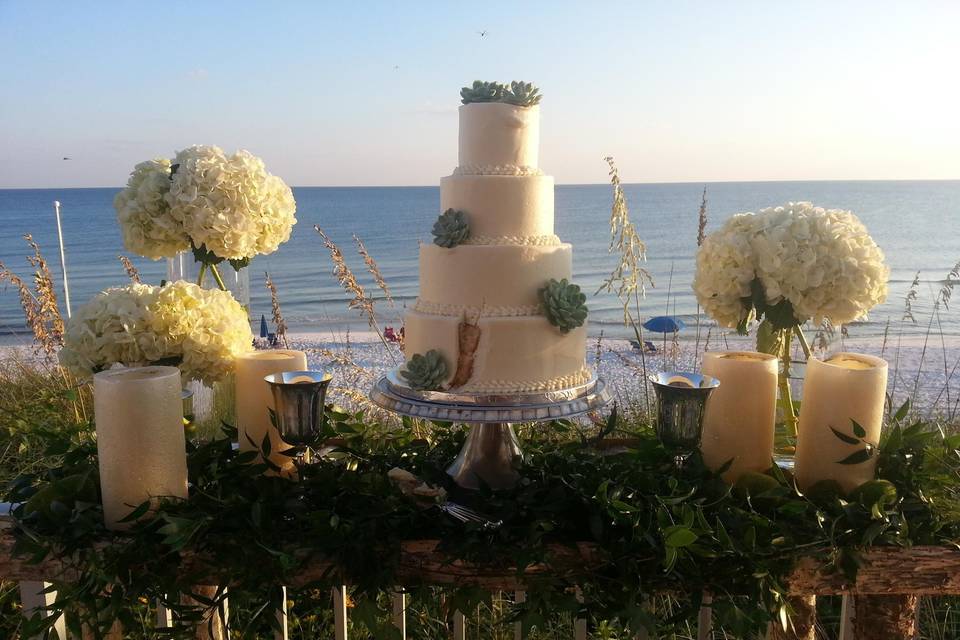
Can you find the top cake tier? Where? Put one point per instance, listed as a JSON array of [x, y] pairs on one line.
[[498, 138]]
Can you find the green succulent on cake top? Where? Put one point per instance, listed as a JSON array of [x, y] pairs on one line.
[[519, 93], [564, 304], [522, 94], [451, 229], [483, 92], [425, 372]]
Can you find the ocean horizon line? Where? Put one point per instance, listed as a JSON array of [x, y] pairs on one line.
[[558, 184]]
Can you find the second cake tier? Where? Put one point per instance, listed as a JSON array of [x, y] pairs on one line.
[[499, 276], [503, 209]]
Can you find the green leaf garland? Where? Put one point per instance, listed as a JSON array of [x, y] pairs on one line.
[[666, 529]]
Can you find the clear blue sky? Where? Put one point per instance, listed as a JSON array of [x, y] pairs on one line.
[[365, 93]]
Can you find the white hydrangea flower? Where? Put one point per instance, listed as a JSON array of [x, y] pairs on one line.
[[202, 330], [146, 223], [822, 261], [230, 204], [725, 269]]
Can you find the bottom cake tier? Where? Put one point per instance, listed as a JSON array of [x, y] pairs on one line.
[[518, 354]]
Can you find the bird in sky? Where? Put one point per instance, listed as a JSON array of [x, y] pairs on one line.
[[483, 33], [66, 158]]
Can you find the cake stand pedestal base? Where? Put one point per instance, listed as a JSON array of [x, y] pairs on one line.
[[490, 456]]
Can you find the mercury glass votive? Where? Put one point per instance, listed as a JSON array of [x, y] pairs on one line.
[[681, 400], [299, 398]]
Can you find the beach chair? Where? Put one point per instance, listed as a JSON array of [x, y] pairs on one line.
[[648, 346]]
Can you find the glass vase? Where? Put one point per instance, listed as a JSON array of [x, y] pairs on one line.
[[184, 267], [212, 405]]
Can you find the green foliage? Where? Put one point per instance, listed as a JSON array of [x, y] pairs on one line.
[[780, 316], [451, 229], [858, 438], [522, 94], [769, 339], [564, 304], [519, 93], [482, 91], [425, 371], [205, 256], [656, 527], [32, 393]]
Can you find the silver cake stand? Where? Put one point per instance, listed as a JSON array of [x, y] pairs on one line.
[[491, 453]]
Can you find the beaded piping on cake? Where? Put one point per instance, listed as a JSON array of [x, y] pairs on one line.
[[460, 310], [523, 241], [496, 170], [529, 386]]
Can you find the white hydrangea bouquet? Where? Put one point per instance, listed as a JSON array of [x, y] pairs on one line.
[[787, 265], [181, 324], [221, 207]]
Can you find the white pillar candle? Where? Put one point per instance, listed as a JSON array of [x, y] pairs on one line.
[[140, 439], [255, 400], [844, 388], [739, 420]]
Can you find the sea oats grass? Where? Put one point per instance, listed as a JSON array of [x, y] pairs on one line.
[[132, 272], [40, 307], [629, 278], [360, 300], [280, 325], [374, 269]]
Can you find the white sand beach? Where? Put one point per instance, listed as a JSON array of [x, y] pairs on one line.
[[925, 369]]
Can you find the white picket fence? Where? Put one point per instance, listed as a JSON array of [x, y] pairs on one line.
[[34, 599]]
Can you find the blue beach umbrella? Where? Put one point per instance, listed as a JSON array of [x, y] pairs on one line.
[[263, 326], [664, 324]]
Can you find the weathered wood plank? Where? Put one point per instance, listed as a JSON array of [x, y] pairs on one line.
[[399, 601], [889, 617], [846, 618], [886, 570], [579, 624], [35, 599], [340, 613], [212, 627], [459, 626], [804, 621], [705, 618], [519, 597], [282, 616]]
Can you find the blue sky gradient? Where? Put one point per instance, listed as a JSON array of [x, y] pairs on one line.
[[366, 93]]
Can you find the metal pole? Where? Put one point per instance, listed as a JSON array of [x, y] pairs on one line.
[[63, 258]]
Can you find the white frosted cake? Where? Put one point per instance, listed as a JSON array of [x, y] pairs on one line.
[[482, 307]]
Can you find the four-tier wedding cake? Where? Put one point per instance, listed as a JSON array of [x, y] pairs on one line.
[[496, 313]]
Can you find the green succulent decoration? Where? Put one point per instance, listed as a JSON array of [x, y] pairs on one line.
[[482, 91], [425, 372], [451, 229], [564, 304], [522, 94]]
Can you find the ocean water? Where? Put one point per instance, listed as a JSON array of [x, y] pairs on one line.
[[915, 223]]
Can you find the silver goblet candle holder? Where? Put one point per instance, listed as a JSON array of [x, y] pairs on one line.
[[299, 398], [681, 400]]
